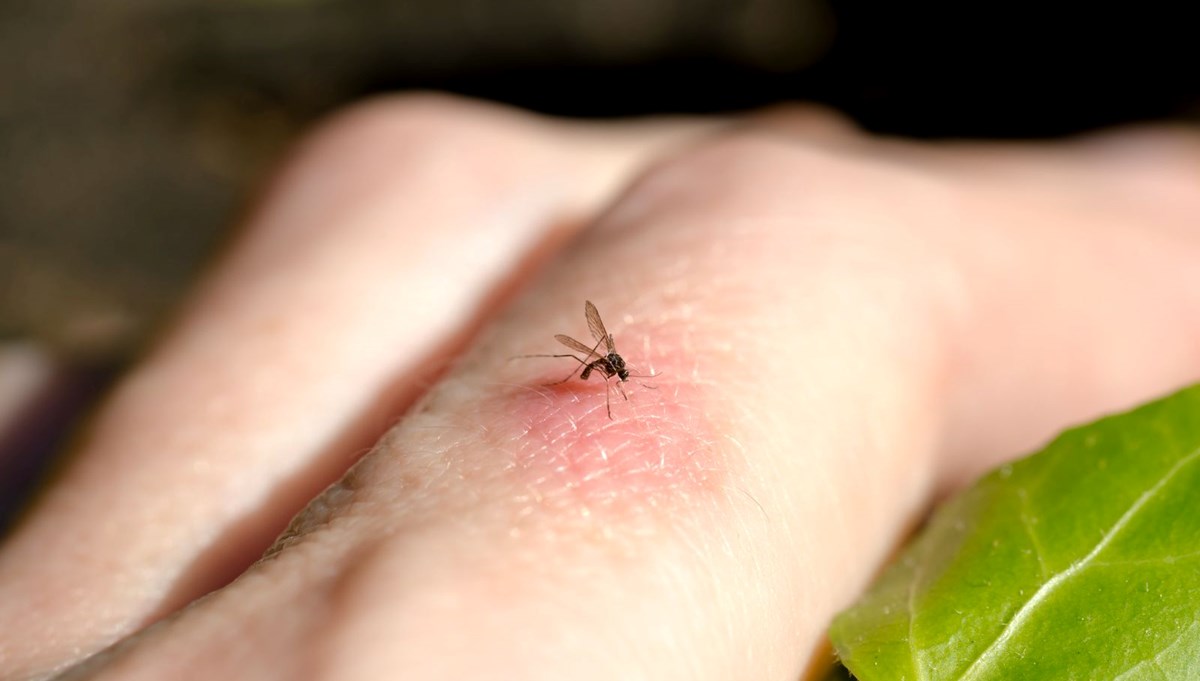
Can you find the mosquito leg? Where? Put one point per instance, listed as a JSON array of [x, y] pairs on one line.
[[532, 356], [569, 376]]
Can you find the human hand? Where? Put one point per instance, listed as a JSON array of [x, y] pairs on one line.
[[843, 328]]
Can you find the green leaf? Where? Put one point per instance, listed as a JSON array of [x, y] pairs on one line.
[[1079, 562]]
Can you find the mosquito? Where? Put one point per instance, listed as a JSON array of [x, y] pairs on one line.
[[606, 364]]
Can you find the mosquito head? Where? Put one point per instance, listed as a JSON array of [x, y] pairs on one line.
[[618, 364]]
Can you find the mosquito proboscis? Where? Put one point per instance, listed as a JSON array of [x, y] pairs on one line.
[[607, 364]]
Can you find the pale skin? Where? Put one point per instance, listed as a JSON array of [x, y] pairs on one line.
[[844, 329]]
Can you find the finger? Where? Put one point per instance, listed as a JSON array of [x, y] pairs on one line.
[[374, 255], [663, 543], [1047, 204], [1107, 242], [815, 351]]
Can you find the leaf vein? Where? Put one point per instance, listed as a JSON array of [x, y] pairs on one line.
[[1153, 560], [914, 654], [980, 663], [1027, 524], [1156, 660]]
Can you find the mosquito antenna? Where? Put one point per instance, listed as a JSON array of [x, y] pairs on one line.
[[650, 375]]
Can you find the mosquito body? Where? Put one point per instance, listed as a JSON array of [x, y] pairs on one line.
[[607, 364]]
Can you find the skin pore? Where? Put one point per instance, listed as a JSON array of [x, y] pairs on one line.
[[842, 330]]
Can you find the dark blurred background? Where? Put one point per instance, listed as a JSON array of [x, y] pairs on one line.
[[131, 132]]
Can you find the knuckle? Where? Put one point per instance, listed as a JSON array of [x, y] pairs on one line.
[[754, 209], [425, 122], [740, 173], [393, 154], [423, 138]]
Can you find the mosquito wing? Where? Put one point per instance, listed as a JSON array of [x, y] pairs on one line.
[[588, 353], [597, 327]]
